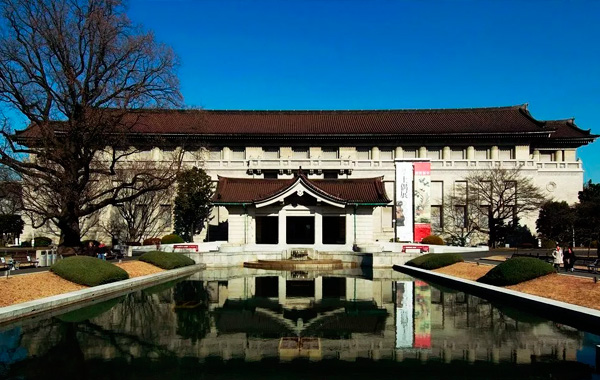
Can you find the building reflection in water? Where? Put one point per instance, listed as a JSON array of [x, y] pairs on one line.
[[344, 315]]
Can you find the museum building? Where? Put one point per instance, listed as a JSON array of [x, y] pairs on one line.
[[336, 179]]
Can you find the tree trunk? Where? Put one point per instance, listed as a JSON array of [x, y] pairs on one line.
[[70, 234]]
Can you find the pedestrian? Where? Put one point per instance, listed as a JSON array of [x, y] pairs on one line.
[[570, 258], [557, 255]]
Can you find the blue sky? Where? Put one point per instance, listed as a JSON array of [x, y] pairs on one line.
[[380, 54]]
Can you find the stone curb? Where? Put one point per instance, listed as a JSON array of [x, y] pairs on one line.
[[35, 307], [585, 318]]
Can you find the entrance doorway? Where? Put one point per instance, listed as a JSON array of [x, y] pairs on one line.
[[300, 230]]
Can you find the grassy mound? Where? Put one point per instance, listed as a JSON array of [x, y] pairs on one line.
[[514, 271], [435, 260], [166, 260], [89, 271]]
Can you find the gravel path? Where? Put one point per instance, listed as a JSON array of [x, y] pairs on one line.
[[577, 290], [27, 287]]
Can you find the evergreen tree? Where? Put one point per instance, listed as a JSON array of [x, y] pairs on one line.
[[192, 204]]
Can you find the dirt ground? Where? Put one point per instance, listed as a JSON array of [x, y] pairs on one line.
[[27, 287], [580, 291]]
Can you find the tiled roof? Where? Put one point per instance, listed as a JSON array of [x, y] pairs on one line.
[[407, 122], [250, 190], [566, 129]]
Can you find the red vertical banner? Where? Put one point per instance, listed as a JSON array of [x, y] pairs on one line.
[[422, 200], [422, 315]]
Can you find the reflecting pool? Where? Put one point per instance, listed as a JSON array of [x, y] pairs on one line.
[[245, 323]]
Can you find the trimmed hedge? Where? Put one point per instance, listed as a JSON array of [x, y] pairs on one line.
[[516, 270], [89, 271], [435, 260], [42, 241], [171, 239], [433, 240], [166, 260]]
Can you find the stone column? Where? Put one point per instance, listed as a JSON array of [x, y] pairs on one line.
[[318, 229], [470, 152], [226, 153], [318, 289], [399, 152], [446, 153], [282, 227], [536, 154], [494, 152], [281, 289], [422, 152], [558, 156], [375, 153]]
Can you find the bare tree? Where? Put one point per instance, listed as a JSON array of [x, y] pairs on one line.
[[146, 216], [491, 198], [75, 69]]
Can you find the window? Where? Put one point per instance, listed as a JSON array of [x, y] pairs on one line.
[[165, 216], [238, 153], [267, 230], [482, 154], [437, 192], [410, 153], [386, 154], [460, 219], [271, 153], [434, 153], [484, 217], [214, 154], [330, 174], [334, 230], [363, 153], [506, 154], [299, 152], [457, 154], [330, 153], [270, 174], [436, 219]]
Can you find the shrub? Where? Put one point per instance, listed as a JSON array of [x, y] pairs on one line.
[[435, 260], [171, 239], [514, 271], [433, 239], [151, 241], [42, 241], [166, 260], [89, 271], [25, 244]]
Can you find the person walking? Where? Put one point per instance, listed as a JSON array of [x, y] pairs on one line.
[[569, 259], [557, 254]]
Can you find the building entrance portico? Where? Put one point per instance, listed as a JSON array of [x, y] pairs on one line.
[[324, 214]]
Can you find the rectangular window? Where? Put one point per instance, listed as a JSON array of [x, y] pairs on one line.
[[214, 154], [460, 219], [330, 174], [165, 216], [363, 153], [482, 154], [330, 153], [437, 192], [238, 153], [410, 153], [271, 153], [267, 230], [460, 189], [457, 154], [506, 154], [270, 174], [434, 153], [436, 218], [334, 230], [386, 154], [484, 217]]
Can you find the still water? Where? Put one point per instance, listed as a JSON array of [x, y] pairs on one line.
[[256, 324]]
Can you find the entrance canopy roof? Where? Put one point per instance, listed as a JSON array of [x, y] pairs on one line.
[[335, 192]]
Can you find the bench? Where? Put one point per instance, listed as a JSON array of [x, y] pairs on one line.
[[20, 260], [186, 246], [421, 248], [5, 264]]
